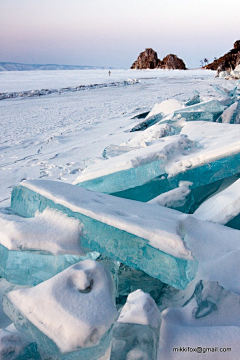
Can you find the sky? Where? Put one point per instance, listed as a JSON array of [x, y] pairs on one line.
[[112, 33]]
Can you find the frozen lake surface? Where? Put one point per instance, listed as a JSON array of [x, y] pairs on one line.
[[166, 248], [56, 136]]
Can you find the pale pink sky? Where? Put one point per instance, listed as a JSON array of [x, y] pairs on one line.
[[113, 32]]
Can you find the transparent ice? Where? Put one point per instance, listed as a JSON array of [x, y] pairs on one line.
[[136, 333], [111, 241]]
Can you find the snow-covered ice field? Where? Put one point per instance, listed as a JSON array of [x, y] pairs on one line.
[[189, 263], [55, 136]]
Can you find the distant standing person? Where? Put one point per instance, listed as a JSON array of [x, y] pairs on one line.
[[109, 73]]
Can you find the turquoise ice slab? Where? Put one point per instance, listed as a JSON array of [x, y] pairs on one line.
[[208, 111], [118, 228], [70, 316], [137, 167], [200, 175], [31, 268], [48, 349], [147, 123]]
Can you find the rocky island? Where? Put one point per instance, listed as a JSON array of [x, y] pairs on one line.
[[148, 59], [228, 62]]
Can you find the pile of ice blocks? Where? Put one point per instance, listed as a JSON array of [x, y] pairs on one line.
[[138, 259]]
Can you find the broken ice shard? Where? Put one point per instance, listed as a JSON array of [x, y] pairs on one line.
[[231, 115], [222, 207], [116, 150], [147, 122], [14, 346], [223, 91], [134, 168], [70, 315], [146, 237], [33, 250], [141, 115], [194, 100], [209, 110], [136, 333], [207, 153]]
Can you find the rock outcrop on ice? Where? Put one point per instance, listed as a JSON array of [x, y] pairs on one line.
[[227, 62], [148, 59], [171, 62]]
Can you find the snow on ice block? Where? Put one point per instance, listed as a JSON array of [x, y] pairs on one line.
[[69, 316], [14, 346], [136, 333], [208, 152], [152, 134], [33, 250], [222, 207], [134, 168], [212, 106], [144, 236], [178, 198], [184, 335], [165, 107]]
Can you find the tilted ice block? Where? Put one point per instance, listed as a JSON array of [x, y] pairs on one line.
[[14, 346], [222, 207], [209, 324], [33, 250], [116, 150], [228, 101], [136, 333], [147, 122], [31, 268], [223, 91], [194, 100], [217, 157], [212, 154], [134, 168], [141, 115], [231, 115], [213, 107], [144, 236], [69, 316]]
